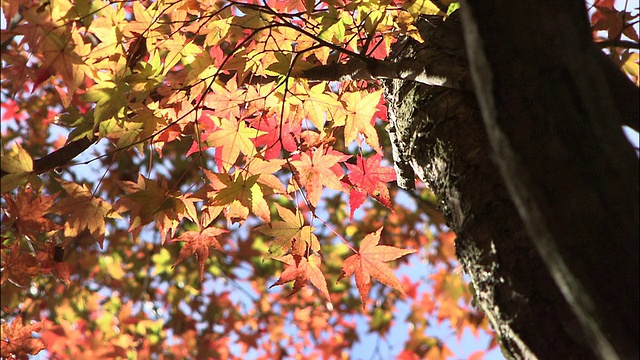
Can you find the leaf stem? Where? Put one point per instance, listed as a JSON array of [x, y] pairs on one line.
[[337, 234]]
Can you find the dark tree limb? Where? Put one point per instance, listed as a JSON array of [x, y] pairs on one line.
[[617, 43], [626, 96], [429, 67], [60, 157], [437, 64]]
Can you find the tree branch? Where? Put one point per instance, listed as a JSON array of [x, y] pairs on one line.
[[59, 157], [423, 70], [617, 43]]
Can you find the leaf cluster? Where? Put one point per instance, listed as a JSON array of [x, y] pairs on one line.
[[212, 174]]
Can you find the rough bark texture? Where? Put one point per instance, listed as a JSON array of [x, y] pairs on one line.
[[553, 125], [440, 135]]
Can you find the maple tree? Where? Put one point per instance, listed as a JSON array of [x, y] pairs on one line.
[[246, 127]]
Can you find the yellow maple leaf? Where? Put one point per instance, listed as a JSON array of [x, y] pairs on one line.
[[290, 234], [360, 111], [323, 105], [238, 193]]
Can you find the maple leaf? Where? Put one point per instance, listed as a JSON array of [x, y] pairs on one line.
[[29, 209], [18, 266], [137, 51], [206, 126], [17, 164], [317, 171], [276, 136], [64, 54], [265, 170], [12, 111], [301, 269], [17, 341], [238, 193], [149, 200], [323, 105], [50, 264], [232, 138], [360, 111], [58, 337], [418, 7], [198, 242], [370, 261], [110, 36], [369, 178], [225, 99], [84, 210], [290, 233], [110, 100]]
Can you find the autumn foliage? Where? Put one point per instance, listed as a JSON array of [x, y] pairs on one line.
[[224, 205]]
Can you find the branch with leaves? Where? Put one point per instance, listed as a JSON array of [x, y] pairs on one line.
[[256, 129]]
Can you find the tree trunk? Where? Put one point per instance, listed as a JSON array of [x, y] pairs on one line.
[[440, 135], [554, 129]]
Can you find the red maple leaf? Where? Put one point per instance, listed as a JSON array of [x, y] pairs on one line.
[[17, 341], [367, 177], [198, 242], [370, 261], [12, 111], [301, 269], [276, 136]]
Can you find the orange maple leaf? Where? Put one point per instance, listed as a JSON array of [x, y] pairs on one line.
[[369, 178], [370, 261], [225, 99], [65, 54], [17, 341], [18, 266], [150, 200], [29, 209], [84, 210], [198, 242], [232, 138], [318, 170], [301, 269]]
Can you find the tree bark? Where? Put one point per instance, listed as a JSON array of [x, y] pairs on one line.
[[553, 125], [440, 135]]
